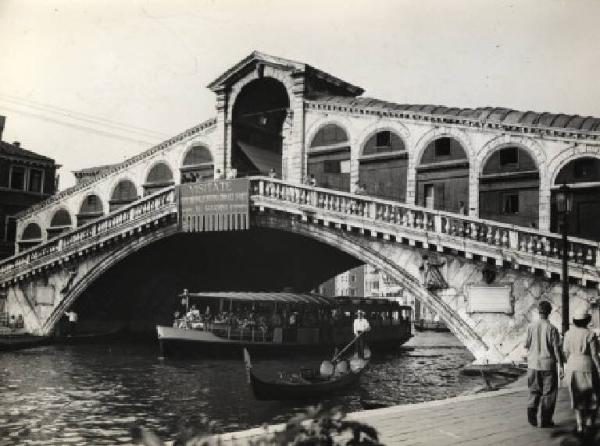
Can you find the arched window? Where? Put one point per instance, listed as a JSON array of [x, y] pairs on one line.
[[443, 176], [197, 165], [61, 222], [583, 177], [329, 134], [384, 141], [32, 236], [91, 208], [159, 177], [329, 158], [124, 193], [509, 187], [383, 166], [32, 232]]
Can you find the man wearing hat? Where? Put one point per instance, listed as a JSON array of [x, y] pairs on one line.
[[361, 326], [543, 345]]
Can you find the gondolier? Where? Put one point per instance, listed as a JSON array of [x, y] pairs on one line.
[[361, 326]]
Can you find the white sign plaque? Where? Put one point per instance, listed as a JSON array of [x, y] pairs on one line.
[[489, 299]]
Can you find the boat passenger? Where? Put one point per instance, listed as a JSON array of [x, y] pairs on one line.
[[361, 326], [276, 320]]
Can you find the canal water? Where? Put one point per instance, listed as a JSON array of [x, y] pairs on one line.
[[94, 394]]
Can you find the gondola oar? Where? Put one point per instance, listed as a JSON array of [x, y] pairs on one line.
[[346, 347]]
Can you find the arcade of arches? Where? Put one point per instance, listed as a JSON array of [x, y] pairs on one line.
[[159, 177], [61, 222], [258, 117], [197, 165]]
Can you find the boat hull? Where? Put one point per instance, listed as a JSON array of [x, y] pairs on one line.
[[182, 342]]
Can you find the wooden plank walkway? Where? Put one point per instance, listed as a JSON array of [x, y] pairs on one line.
[[493, 418]]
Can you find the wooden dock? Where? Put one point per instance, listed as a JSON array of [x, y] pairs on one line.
[[492, 418]]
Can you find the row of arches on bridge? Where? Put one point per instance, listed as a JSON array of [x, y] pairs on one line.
[[509, 178], [197, 165], [508, 182]]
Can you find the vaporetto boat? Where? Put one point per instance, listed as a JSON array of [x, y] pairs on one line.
[[223, 323]]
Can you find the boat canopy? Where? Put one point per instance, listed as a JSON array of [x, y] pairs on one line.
[[288, 298]]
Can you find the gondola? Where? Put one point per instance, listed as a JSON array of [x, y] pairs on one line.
[[309, 384]]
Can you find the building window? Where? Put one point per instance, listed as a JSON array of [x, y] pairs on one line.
[[352, 278], [510, 203], [17, 178], [332, 166], [10, 228], [509, 155], [352, 292], [383, 139], [35, 180], [442, 147]]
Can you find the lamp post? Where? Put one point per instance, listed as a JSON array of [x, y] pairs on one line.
[[564, 200]]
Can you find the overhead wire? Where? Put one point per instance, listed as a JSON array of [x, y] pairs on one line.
[[74, 115]]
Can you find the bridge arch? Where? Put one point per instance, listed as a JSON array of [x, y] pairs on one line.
[[360, 248], [582, 174], [328, 156], [158, 175], [383, 163], [31, 236], [509, 185], [123, 192], [260, 108], [197, 163], [61, 221], [90, 209], [441, 171]]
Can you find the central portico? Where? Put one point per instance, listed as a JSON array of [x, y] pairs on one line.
[[260, 113]]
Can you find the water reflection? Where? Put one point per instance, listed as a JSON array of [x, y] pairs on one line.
[[59, 395]]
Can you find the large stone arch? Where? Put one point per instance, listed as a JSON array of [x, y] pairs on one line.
[[359, 247], [295, 103], [99, 267], [355, 245], [532, 148]]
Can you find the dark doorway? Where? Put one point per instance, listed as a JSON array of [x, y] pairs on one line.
[[257, 122]]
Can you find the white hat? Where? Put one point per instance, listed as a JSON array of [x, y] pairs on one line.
[[581, 313]]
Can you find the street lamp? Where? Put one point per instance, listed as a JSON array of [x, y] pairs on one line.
[[564, 202]]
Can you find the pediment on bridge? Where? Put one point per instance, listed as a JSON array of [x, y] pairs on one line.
[[316, 82]]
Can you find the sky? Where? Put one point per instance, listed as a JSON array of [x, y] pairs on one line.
[[94, 82]]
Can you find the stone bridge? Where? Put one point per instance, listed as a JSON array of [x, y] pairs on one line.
[[473, 256], [463, 196]]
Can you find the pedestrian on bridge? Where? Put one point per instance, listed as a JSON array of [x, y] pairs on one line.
[[581, 350], [544, 353]]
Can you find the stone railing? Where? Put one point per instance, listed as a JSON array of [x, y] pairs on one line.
[[144, 210], [517, 246]]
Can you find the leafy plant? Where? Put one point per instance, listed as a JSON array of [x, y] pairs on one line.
[[317, 426]]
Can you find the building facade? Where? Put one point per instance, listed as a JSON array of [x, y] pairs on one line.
[[26, 178]]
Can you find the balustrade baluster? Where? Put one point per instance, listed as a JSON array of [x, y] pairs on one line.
[[411, 218], [473, 231], [505, 238], [530, 244], [571, 252], [589, 257], [497, 237], [425, 221]]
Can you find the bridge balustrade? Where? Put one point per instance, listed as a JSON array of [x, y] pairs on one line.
[[147, 207], [519, 245]]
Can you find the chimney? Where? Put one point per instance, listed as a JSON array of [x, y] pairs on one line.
[[17, 144], [2, 121]]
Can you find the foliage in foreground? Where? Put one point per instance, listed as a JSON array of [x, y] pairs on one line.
[[316, 426]]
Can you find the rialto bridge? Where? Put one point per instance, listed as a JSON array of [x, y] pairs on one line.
[[467, 192]]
